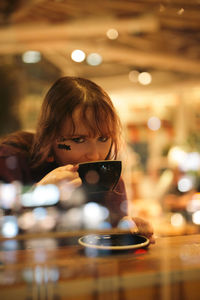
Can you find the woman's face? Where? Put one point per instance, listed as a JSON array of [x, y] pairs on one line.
[[80, 147]]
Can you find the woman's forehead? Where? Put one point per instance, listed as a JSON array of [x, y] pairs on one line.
[[79, 128], [85, 124]]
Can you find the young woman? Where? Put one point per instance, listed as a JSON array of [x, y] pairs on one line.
[[78, 123]]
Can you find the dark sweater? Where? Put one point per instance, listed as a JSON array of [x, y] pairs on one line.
[[15, 166]]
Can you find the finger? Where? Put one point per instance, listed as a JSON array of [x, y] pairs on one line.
[[143, 225], [73, 167], [76, 167], [128, 223], [133, 227], [76, 182], [66, 176], [145, 230], [68, 167], [152, 240]]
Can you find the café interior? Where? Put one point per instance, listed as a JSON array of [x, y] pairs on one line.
[[146, 55]]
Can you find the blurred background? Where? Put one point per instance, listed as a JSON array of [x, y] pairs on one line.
[[146, 55]]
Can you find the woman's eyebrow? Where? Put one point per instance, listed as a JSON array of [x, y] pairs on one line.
[[67, 137], [62, 138]]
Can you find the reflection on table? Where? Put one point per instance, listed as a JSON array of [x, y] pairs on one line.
[[55, 266]]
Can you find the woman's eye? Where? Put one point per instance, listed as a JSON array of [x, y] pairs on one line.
[[103, 139], [78, 140]]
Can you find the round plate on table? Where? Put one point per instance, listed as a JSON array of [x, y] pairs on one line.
[[121, 241]]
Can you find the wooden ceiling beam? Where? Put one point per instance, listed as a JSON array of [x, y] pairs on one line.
[[78, 29], [121, 55]]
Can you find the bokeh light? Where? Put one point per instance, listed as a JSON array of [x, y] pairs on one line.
[[94, 59], [191, 162], [11, 162], [39, 213], [177, 220], [185, 184], [94, 214], [194, 203], [176, 156], [9, 227], [8, 192], [180, 11], [92, 177], [41, 196], [154, 123], [133, 76], [27, 220], [71, 219], [112, 34], [196, 217], [144, 78], [78, 55], [31, 57]]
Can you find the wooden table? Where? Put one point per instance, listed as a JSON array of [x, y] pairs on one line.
[[57, 267]]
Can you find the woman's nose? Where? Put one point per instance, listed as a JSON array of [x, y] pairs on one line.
[[92, 152]]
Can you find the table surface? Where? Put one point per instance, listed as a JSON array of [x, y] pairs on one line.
[[58, 260]]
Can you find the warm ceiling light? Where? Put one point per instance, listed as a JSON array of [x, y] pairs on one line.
[[78, 55], [112, 34], [180, 11], [133, 76], [144, 78], [94, 59], [31, 57]]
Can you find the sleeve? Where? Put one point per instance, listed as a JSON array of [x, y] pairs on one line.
[[14, 168], [116, 201]]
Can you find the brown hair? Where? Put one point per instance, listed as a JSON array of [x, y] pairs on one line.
[[60, 102], [20, 140]]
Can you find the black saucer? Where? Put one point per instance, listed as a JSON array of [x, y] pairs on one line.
[[121, 241]]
